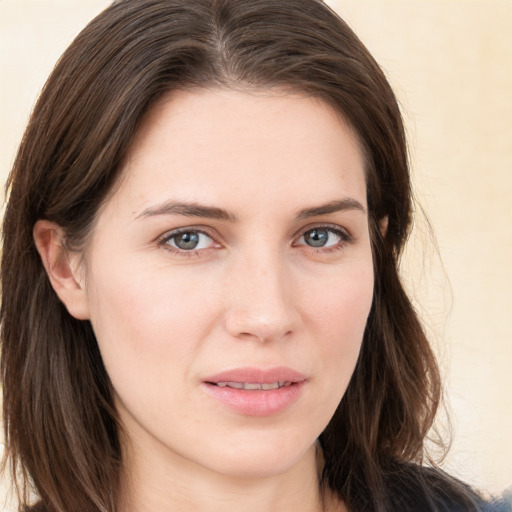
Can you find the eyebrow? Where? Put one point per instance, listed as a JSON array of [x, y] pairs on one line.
[[193, 209], [332, 207], [188, 210]]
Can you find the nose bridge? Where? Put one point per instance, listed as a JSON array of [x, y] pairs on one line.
[[261, 301]]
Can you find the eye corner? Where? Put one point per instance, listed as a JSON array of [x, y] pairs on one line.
[[193, 242], [320, 236]]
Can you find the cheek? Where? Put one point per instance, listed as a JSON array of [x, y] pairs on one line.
[[150, 329], [138, 315], [151, 321], [339, 315], [341, 304]]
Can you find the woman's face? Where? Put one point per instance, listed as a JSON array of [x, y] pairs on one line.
[[229, 279]]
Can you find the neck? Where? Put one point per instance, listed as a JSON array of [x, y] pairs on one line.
[[166, 483]]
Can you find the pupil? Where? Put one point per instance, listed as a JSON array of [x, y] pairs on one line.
[[316, 237], [187, 240]]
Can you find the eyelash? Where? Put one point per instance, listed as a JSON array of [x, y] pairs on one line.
[[345, 238], [344, 235], [163, 241]]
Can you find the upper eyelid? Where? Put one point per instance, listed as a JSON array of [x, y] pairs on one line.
[[168, 235], [332, 227]]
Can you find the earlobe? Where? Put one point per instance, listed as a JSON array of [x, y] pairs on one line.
[[62, 267]]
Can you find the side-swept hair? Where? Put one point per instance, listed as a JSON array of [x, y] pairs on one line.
[[61, 427]]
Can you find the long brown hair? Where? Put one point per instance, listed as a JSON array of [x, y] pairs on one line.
[[61, 428]]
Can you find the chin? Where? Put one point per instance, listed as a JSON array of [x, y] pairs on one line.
[[261, 461]]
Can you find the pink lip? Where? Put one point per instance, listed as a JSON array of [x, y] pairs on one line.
[[256, 402]]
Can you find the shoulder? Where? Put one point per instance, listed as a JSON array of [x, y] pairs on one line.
[[503, 504], [426, 489]]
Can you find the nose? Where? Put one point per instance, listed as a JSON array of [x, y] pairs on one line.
[[262, 304]]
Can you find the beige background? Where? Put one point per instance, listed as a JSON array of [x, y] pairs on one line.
[[451, 65]]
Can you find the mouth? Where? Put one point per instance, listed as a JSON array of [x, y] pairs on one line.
[[256, 392], [256, 379], [253, 386]]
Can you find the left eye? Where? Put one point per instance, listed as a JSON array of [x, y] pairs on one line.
[[189, 240], [321, 237]]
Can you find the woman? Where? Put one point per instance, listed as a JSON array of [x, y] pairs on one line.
[[202, 232]]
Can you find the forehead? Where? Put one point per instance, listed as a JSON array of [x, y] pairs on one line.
[[211, 144]]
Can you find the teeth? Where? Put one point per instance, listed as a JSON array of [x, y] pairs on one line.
[[248, 385], [254, 385]]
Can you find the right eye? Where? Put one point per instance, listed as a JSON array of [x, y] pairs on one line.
[[321, 237], [324, 238], [188, 240]]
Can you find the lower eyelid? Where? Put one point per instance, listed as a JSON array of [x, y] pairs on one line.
[[165, 239], [345, 236]]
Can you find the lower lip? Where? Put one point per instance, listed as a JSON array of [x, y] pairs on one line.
[[256, 402]]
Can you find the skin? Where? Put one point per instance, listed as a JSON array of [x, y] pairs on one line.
[[254, 293]]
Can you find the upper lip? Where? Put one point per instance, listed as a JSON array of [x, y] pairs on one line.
[[257, 375]]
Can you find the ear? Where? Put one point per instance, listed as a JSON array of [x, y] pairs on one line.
[[63, 267], [383, 225]]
